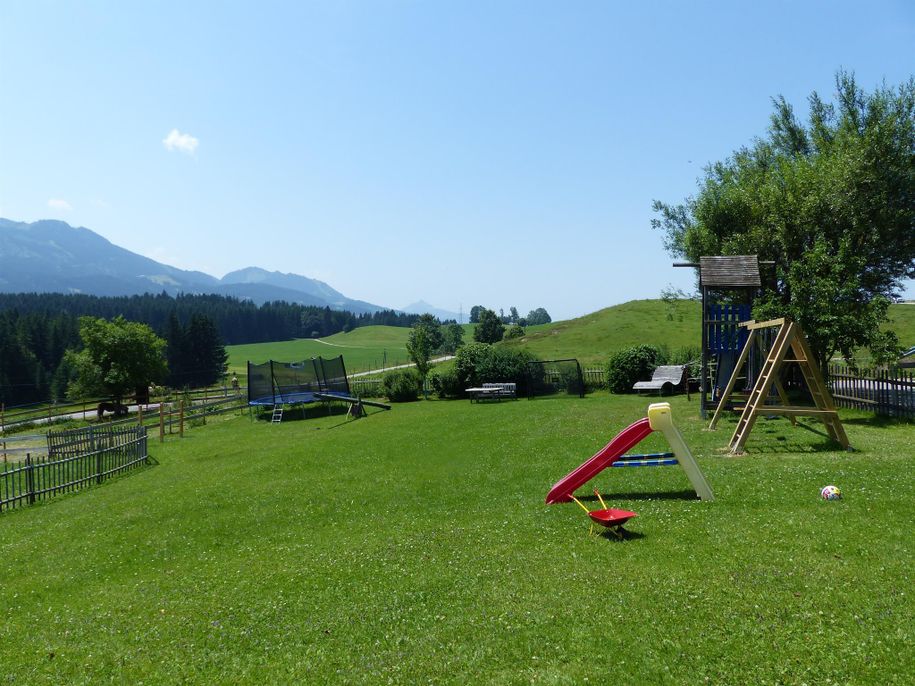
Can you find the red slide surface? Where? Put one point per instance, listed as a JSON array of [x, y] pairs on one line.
[[606, 456]]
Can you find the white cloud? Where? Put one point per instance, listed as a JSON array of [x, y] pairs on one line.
[[60, 205], [182, 142]]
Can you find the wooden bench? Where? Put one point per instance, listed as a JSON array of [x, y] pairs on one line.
[[493, 391], [665, 379]]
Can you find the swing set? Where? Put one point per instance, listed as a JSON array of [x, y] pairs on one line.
[[789, 338]]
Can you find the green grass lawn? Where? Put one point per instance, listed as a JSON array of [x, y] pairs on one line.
[[365, 348], [415, 546]]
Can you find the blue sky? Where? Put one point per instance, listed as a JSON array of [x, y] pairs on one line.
[[494, 153]]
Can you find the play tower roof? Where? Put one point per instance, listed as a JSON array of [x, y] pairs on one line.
[[729, 271]]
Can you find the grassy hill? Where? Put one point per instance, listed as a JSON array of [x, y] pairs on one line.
[[595, 336], [902, 321], [591, 338], [368, 347]]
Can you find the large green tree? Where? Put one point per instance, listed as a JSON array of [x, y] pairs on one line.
[[453, 337], [425, 338], [830, 202], [196, 355], [490, 328], [117, 357], [538, 316]]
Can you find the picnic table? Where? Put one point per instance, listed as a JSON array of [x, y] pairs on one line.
[[492, 391]]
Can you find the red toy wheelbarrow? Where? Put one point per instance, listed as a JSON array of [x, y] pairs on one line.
[[609, 517]]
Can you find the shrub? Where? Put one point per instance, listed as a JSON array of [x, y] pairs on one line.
[[690, 355], [506, 364], [631, 365], [401, 385], [467, 360], [478, 363], [446, 383], [514, 331]]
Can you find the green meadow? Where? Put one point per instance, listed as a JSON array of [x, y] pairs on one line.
[[594, 337], [591, 339], [902, 321], [364, 348], [414, 546]]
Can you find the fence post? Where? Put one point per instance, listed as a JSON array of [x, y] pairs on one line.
[[161, 422], [882, 407], [181, 419], [909, 394], [98, 462], [30, 477], [139, 415]]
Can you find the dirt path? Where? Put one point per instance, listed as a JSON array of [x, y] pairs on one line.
[[444, 358]]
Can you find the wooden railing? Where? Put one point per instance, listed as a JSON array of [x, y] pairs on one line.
[[49, 413], [884, 392], [75, 459]]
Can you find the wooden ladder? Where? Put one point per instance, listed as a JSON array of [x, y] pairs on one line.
[[791, 338], [277, 414], [762, 387]]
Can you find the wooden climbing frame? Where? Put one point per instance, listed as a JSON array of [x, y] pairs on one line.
[[789, 338]]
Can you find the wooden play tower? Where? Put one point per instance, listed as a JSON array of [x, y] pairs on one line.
[[789, 338], [729, 284]]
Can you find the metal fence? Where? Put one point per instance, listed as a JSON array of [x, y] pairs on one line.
[[75, 459], [884, 392]]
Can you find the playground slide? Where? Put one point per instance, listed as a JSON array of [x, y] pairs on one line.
[[606, 456]]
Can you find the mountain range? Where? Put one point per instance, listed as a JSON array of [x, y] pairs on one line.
[[50, 256]]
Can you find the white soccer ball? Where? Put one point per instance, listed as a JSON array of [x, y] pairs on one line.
[[830, 493]]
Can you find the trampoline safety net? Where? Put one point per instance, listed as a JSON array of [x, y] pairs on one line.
[[555, 377], [277, 383]]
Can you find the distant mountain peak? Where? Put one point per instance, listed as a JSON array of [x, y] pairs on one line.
[[50, 256], [422, 307]]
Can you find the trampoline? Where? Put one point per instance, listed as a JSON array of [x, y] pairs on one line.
[[302, 398], [297, 383]]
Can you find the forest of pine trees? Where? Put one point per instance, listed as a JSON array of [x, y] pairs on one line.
[[36, 329]]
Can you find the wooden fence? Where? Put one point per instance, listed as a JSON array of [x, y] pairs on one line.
[[46, 413], [889, 393], [75, 459], [594, 378]]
